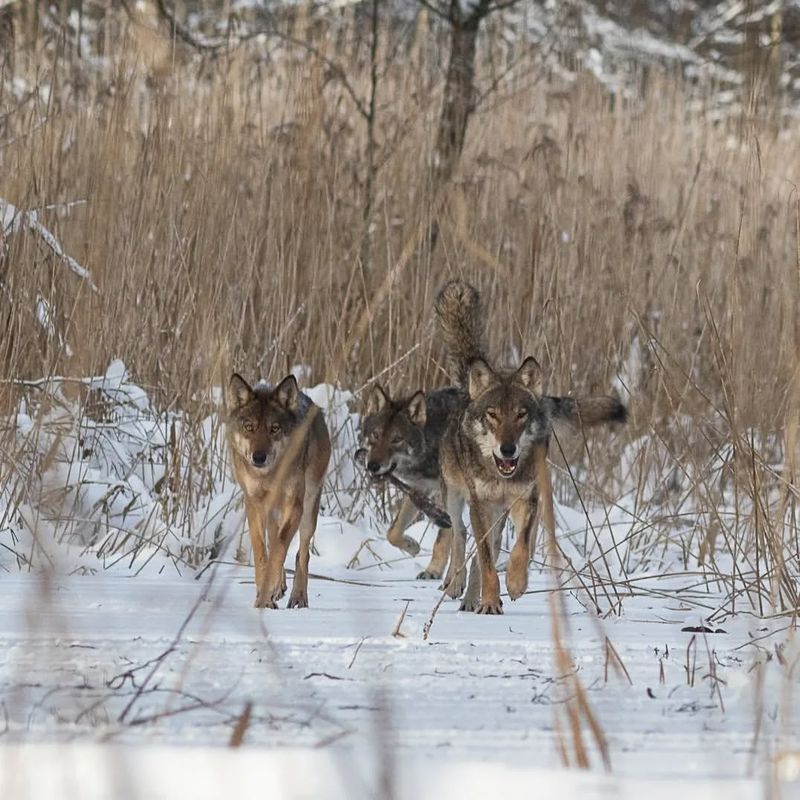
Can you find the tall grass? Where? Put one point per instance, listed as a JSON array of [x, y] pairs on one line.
[[219, 203]]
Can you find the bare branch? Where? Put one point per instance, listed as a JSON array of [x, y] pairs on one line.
[[184, 34], [214, 46], [485, 7], [13, 219], [336, 70], [434, 9]]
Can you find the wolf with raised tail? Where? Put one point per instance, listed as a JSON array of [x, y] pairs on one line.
[[403, 434], [280, 448], [491, 448]]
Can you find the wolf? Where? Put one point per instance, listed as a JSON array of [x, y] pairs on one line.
[[403, 436], [491, 449], [280, 449]]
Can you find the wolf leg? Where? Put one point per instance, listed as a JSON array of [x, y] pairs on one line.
[[439, 557], [523, 513], [490, 602], [471, 599], [396, 535], [281, 534], [256, 526], [299, 596], [453, 583], [472, 596]]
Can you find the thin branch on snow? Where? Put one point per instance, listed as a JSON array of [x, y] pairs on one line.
[[13, 220]]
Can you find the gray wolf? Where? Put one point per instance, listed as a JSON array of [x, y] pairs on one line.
[[403, 436], [280, 449], [491, 447]]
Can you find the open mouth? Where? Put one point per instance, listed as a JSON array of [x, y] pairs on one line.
[[506, 466]]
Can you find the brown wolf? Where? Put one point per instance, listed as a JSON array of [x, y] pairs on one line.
[[280, 449], [491, 447], [403, 437]]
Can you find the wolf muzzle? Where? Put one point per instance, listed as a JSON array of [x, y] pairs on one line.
[[435, 514]]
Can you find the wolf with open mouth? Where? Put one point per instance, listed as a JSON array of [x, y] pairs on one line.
[[492, 448]]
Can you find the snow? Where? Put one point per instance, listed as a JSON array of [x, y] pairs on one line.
[[13, 220], [473, 705], [131, 648], [157, 772]]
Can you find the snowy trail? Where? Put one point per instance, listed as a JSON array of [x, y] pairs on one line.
[[332, 679]]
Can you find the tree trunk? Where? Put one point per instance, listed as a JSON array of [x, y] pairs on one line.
[[457, 106], [7, 15], [459, 99]]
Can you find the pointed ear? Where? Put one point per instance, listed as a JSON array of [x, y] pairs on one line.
[[530, 375], [480, 378], [417, 409], [239, 392], [286, 393], [377, 400]]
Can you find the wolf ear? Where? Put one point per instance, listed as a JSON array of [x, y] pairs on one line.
[[377, 400], [286, 393], [239, 392], [530, 375], [417, 410], [480, 378]]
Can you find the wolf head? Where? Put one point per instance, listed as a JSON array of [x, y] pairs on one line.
[[394, 431], [261, 419], [506, 415]]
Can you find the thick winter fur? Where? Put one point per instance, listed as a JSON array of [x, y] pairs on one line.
[[402, 436], [462, 322], [280, 449], [489, 453]]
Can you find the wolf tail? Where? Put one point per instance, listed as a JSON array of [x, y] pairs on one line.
[[459, 313], [569, 414]]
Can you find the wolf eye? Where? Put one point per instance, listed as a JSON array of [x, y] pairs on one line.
[[397, 439], [522, 413], [275, 428], [374, 436], [248, 426], [491, 414]]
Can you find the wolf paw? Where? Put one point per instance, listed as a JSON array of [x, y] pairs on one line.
[[268, 597], [453, 585], [516, 583], [283, 586], [298, 600], [490, 607], [429, 575], [402, 542], [468, 604], [263, 601], [409, 545]]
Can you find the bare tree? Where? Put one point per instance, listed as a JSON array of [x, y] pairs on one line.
[[464, 18]]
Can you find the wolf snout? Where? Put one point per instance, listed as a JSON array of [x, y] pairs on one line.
[[259, 458], [374, 466], [508, 450]]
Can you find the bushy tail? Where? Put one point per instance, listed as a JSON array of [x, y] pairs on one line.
[[462, 321], [570, 414]]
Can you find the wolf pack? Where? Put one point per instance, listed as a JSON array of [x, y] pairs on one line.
[[480, 443]]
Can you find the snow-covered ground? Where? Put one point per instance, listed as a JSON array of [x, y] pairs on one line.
[[340, 704], [128, 658]]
